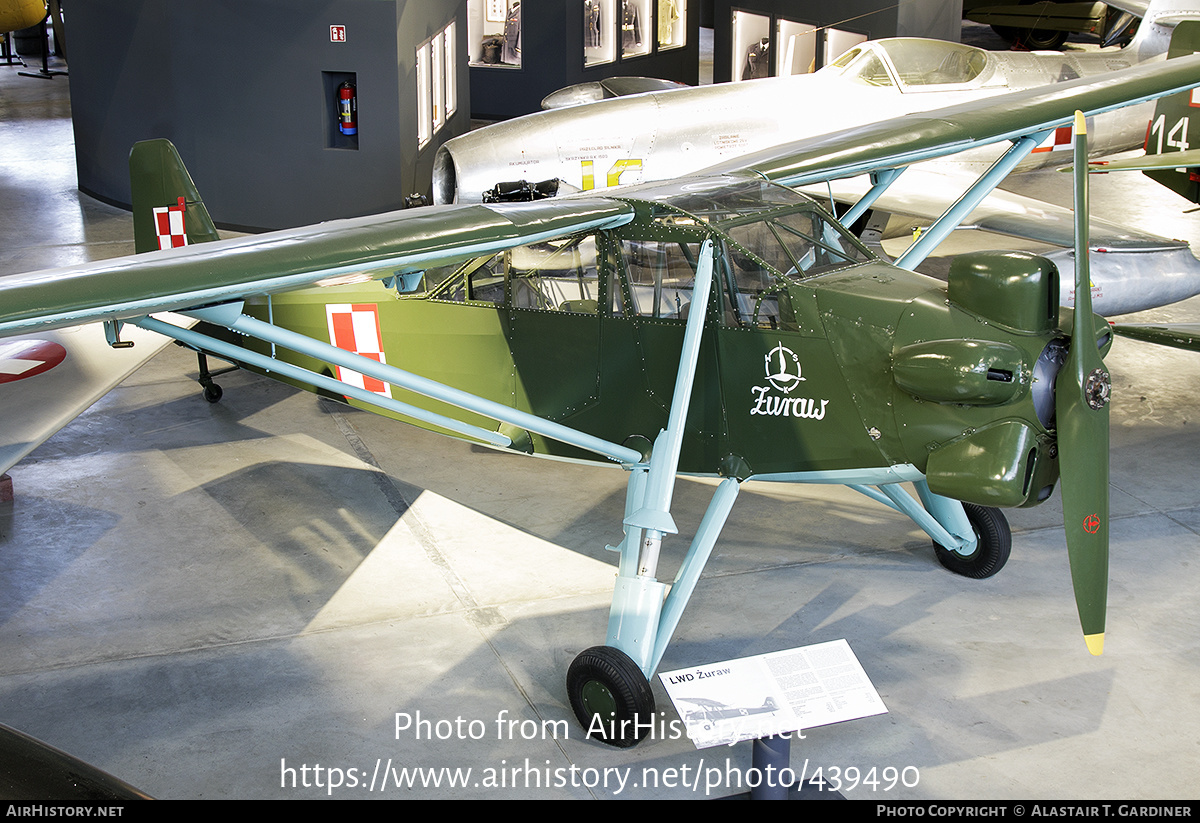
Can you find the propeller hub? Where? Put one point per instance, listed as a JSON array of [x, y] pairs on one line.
[[1097, 388]]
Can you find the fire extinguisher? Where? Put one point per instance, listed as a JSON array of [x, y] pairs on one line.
[[347, 108]]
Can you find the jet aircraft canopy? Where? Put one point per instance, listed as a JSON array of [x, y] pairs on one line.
[[914, 64]]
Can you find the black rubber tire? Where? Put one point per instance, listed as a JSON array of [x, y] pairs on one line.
[[212, 393], [991, 550], [603, 681]]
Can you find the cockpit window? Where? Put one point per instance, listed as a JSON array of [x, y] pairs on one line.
[[914, 63], [933, 62], [715, 201], [798, 244], [846, 59], [870, 70], [661, 276], [557, 275]]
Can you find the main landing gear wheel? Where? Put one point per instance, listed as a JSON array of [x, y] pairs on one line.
[[991, 549], [610, 696]]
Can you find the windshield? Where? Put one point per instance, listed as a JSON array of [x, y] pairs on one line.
[[914, 63]]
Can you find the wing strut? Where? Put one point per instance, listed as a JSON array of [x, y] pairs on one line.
[[229, 316], [971, 198], [880, 182]]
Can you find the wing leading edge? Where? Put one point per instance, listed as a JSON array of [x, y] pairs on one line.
[[926, 135], [349, 250], [385, 245]]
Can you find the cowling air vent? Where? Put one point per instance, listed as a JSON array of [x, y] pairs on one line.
[[1012, 289]]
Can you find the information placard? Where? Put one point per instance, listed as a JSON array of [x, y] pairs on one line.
[[772, 694]]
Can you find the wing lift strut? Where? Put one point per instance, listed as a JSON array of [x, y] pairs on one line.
[[953, 217], [644, 615]]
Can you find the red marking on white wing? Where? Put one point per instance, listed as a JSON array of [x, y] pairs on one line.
[[168, 225], [25, 358], [355, 328]]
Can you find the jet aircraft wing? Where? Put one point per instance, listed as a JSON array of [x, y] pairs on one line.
[[1171, 160], [1177, 335], [922, 192], [1140, 270]]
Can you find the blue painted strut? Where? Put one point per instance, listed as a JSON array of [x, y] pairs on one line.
[[972, 197], [229, 315], [643, 615]]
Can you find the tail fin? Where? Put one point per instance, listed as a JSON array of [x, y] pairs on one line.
[[167, 209], [1169, 129]]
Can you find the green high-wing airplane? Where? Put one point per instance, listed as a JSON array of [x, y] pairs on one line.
[[721, 325]]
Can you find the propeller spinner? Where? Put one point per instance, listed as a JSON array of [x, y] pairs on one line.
[[1081, 405]]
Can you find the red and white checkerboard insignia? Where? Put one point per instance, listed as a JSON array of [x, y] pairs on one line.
[[1060, 138], [355, 327], [25, 358], [168, 225]]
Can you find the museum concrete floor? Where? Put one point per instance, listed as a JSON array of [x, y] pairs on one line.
[[198, 597]]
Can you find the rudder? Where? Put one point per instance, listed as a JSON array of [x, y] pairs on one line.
[[1169, 129]]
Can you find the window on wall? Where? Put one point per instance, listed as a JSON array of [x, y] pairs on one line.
[[672, 25], [635, 27], [494, 33], [765, 46], [599, 43], [631, 28], [751, 46], [796, 49], [437, 97]]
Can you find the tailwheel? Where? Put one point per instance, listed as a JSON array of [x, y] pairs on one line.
[[212, 392], [610, 696], [992, 547]]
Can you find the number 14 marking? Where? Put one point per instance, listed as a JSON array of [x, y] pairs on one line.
[[1177, 137]]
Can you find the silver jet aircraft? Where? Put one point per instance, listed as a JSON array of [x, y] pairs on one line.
[[669, 134]]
